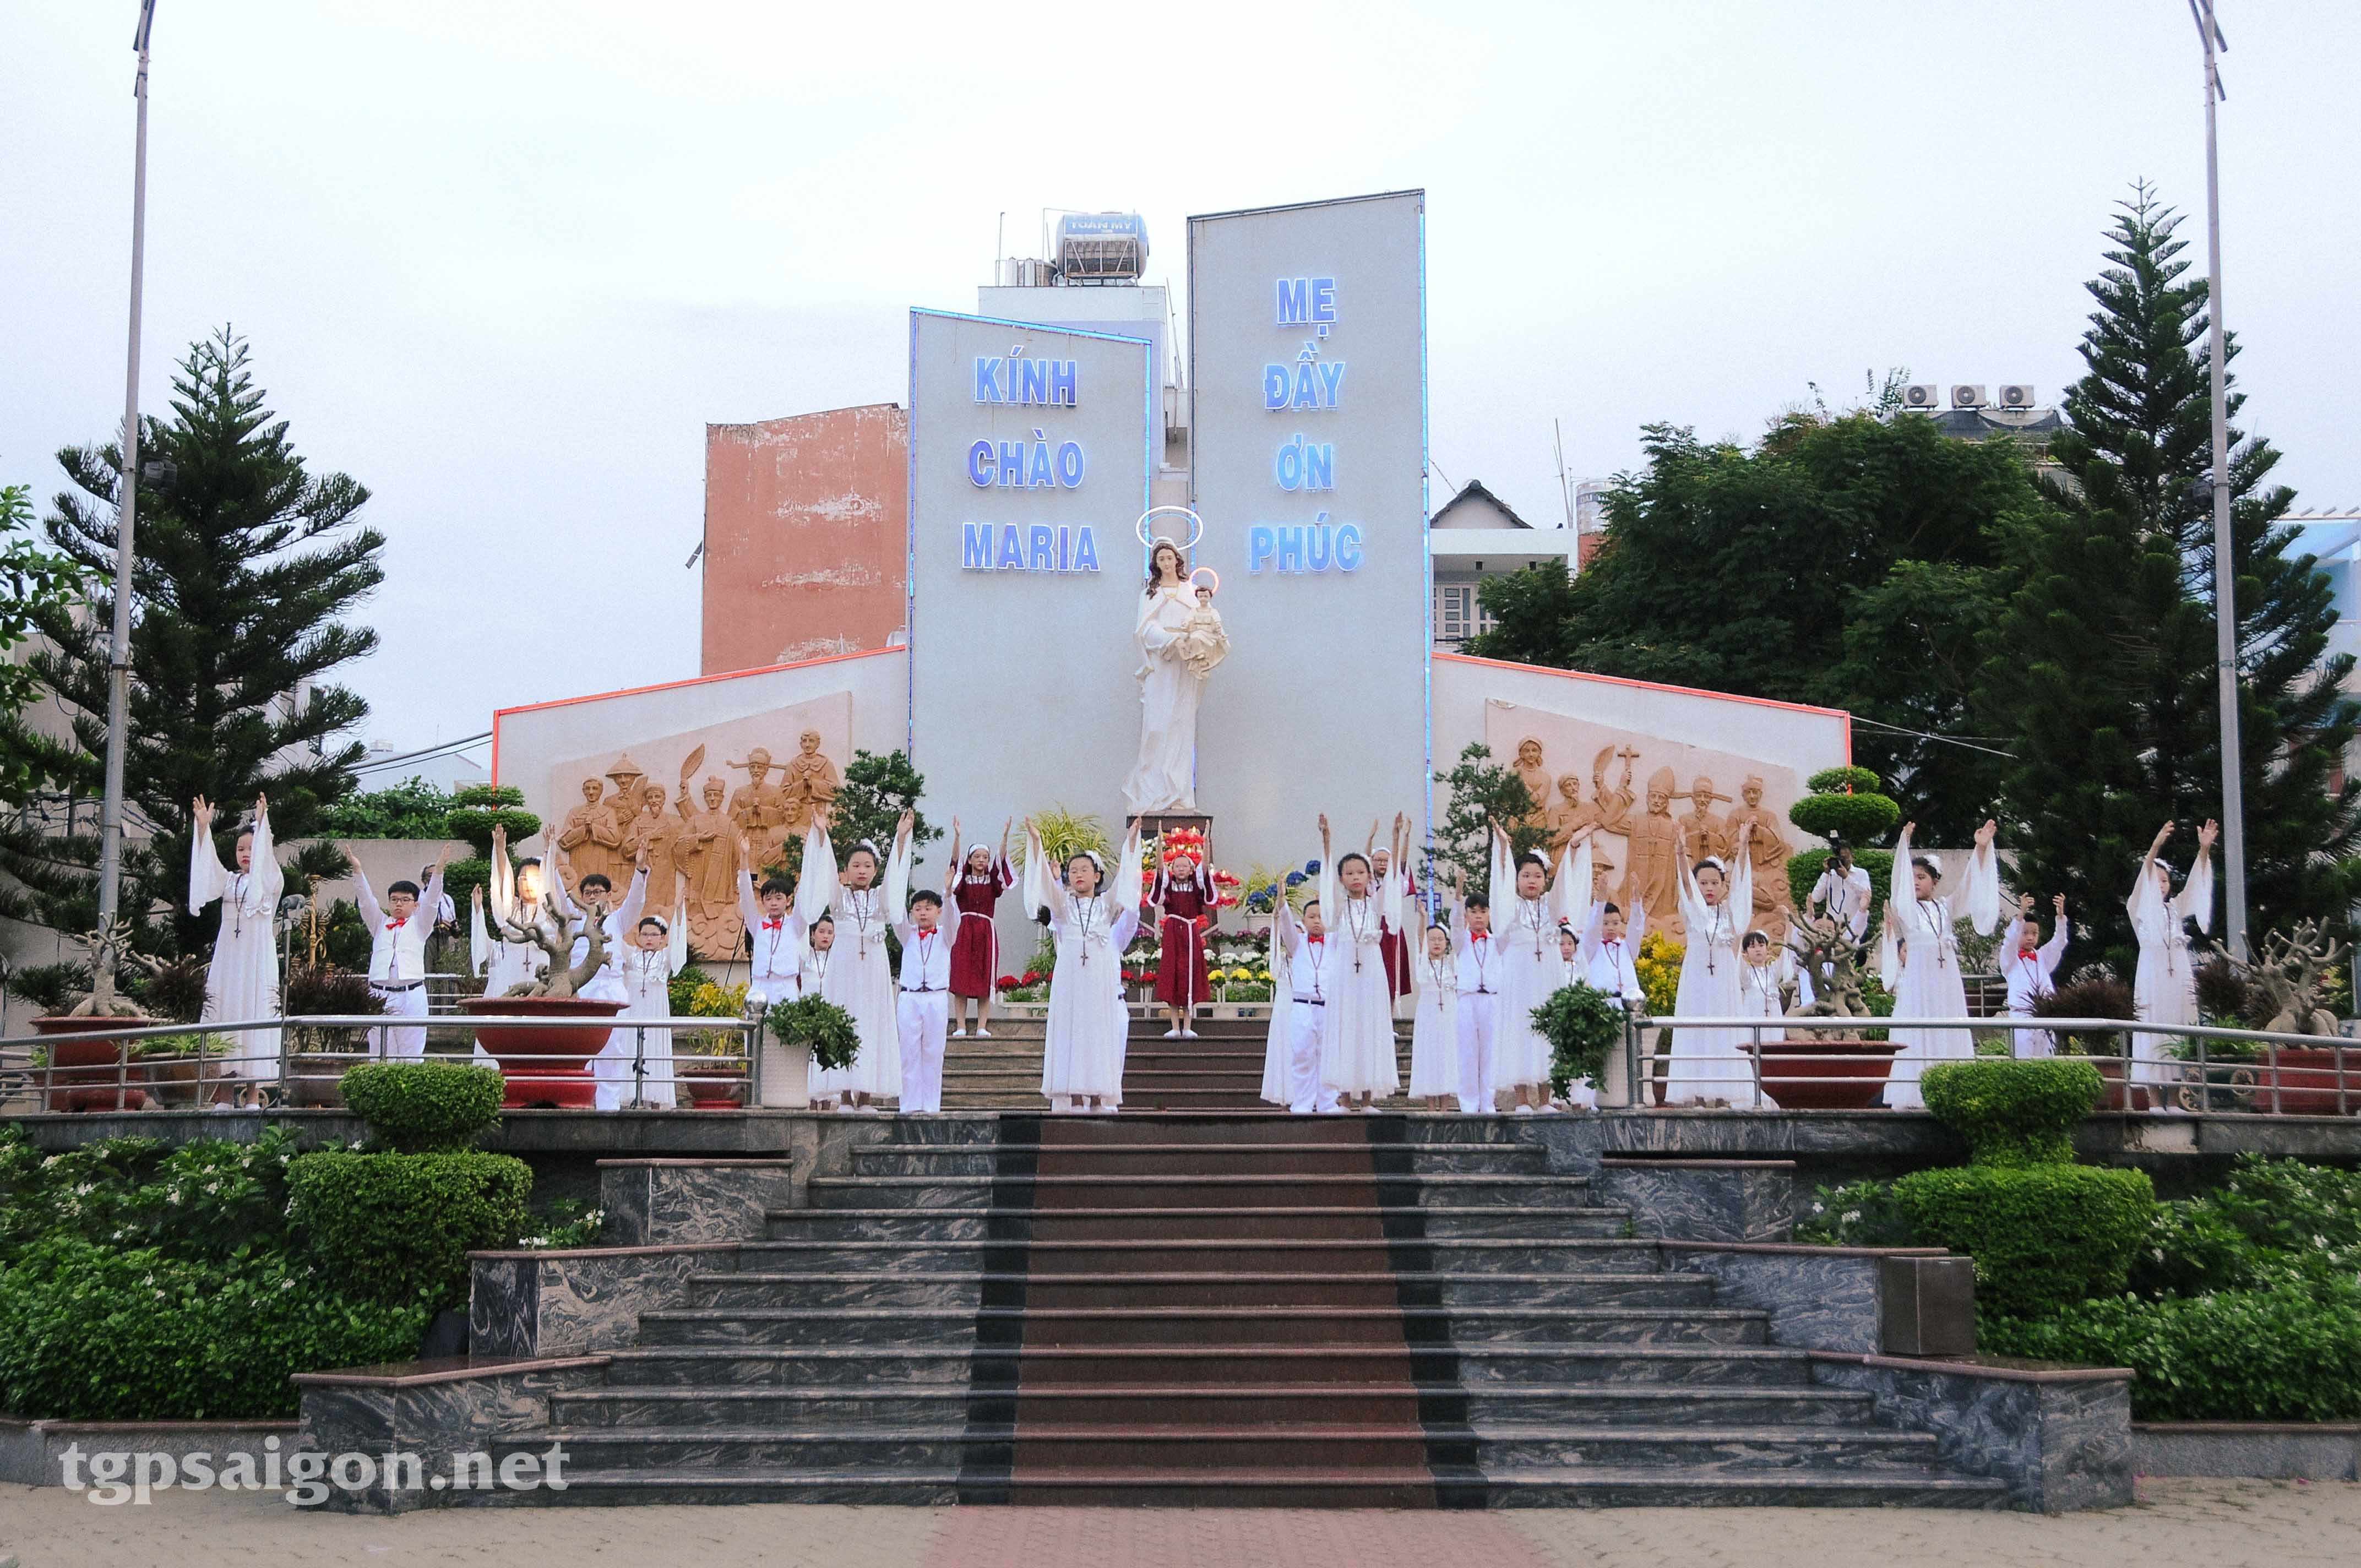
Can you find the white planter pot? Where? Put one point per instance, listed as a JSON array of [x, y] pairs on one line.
[[786, 1075]]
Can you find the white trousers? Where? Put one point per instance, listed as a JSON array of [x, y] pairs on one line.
[[923, 1017], [1307, 1031], [405, 1042], [1479, 1016], [2030, 1045]]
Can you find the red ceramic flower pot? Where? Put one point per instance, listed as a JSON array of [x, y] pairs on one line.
[[90, 1075], [544, 1067], [1840, 1074]]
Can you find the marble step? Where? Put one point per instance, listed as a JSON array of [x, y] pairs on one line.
[[958, 1289], [858, 1405], [1293, 1445], [1173, 1158], [1448, 1255], [1334, 1361], [1214, 1324], [1407, 1487], [1083, 1188], [1275, 1220]]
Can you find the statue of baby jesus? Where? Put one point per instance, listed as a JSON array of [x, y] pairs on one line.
[[1203, 642]]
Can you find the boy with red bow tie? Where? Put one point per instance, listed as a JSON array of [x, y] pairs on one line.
[[775, 932], [1480, 970], [398, 934], [2030, 965]]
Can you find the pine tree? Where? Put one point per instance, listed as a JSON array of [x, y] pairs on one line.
[[246, 563], [2103, 665]]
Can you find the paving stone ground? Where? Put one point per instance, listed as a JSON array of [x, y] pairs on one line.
[[2201, 1524]]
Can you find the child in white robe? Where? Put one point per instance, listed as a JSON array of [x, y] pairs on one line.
[[1705, 1067], [820, 977], [397, 932], [2164, 988], [1610, 954], [641, 1074], [863, 972], [1927, 981], [1358, 1056], [1434, 1035], [1525, 921], [1572, 971], [242, 982], [1298, 1012], [2030, 967], [1093, 915]]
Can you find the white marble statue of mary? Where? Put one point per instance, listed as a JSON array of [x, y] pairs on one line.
[[1165, 778]]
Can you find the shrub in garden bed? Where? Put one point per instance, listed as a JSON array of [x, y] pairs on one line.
[[2283, 1354], [2043, 1237], [398, 1227], [2013, 1113], [420, 1107]]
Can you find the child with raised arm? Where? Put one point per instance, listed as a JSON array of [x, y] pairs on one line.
[[975, 935], [1298, 1011], [923, 1010], [862, 910], [657, 952], [397, 958], [242, 982], [1478, 967], [1358, 1058], [2030, 967], [1093, 914], [1433, 979]]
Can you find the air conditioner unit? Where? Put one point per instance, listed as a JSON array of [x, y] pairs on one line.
[[1966, 396], [1922, 395], [2016, 395]]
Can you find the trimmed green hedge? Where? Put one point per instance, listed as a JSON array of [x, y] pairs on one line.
[[2013, 1113], [2043, 1237], [2284, 1354], [397, 1228], [94, 1332], [1583, 1025], [422, 1107]]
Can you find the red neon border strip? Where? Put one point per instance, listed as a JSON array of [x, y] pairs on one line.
[[1660, 686], [500, 713]]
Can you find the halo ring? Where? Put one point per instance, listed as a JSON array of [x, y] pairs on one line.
[[1147, 536]]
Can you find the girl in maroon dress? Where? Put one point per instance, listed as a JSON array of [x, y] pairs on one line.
[[1184, 908], [975, 949], [1392, 944]]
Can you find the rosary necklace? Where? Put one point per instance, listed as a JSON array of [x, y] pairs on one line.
[[1084, 907], [1356, 910]]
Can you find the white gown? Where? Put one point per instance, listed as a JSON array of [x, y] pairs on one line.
[[1165, 778], [861, 974], [242, 982], [1525, 933], [647, 978], [1434, 1036], [1707, 1065], [1088, 1029], [2164, 988], [1927, 982], [1357, 1053]]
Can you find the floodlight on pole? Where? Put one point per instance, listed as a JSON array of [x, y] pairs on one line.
[[127, 502], [2226, 598]]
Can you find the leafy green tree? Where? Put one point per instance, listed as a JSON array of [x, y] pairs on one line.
[[876, 791], [2102, 665], [246, 566], [1483, 793], [35, 584], [1845, 560]]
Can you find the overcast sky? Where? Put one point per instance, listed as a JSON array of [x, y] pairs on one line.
[[502, 261]]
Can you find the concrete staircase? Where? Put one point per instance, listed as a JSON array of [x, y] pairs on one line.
[[1219, 1308]]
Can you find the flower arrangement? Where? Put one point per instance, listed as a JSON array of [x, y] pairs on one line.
[[1033, 985], [1227, 889], [1659, 968]]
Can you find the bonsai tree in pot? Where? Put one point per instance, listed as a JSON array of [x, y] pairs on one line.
[[102, 1065], [548, 1066]]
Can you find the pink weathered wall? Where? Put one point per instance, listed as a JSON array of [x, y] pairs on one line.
[[806, 534]]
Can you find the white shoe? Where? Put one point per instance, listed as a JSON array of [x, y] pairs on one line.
[[980, 1033], [1173, 1033], [1103, 1109], [1187, 1034], [1524, 1110]]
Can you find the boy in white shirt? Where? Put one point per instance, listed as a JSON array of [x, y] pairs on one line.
[[2030, 967], [923, 1010], [1479, 967], [1299, 1031], [398, 934], [775, 932]]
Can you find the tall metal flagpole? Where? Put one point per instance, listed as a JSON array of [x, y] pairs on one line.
[[2225, 609], [126, 498]]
